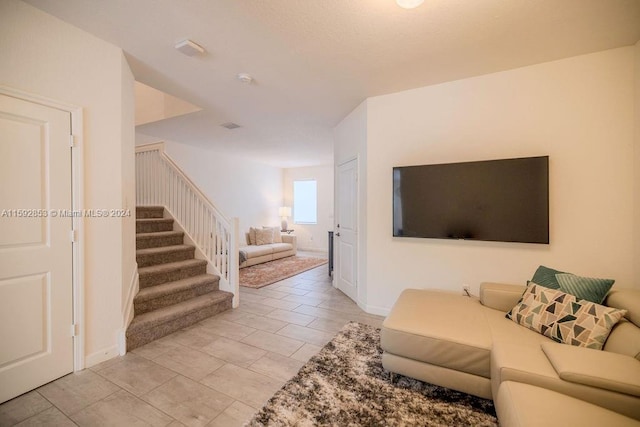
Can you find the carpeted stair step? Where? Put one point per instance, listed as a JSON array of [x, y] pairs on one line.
[[151, 225], [149, 212], [164, 295], [163, 273], [163, 255], [161, 238], [159, 323]]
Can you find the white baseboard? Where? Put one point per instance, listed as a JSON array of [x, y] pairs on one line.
[[101, 356], [380, 311]]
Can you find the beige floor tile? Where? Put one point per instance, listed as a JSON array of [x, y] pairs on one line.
[[291, 317], [262, 323], [278, 303], [341, 306], [137, 374], [255, 308], [231, 315], [291, 290], [242, 384], [121, 409], [156, 348], [272, 293], [78, 390], [22, 407], [235, 415], [304, 299], [322, 313], [302, 333], [327, 325], [51, 417], [306, 352], [251, 297], [225, 328], [275, 343], [234, 351], [276, 366], [189, 402], [194, 337], [191, 363]]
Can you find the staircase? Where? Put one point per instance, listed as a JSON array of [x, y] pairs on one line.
[[175, 290]]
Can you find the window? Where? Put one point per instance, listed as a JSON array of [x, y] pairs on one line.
[[305, 202]]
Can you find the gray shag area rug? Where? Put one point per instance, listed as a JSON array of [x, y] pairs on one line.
[[345, 385]]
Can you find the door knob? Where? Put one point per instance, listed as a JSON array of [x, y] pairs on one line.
[[337, 234]]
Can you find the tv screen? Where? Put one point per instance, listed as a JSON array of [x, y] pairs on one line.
[[496, 200]]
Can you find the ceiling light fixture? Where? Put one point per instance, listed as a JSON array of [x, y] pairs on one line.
[[409, 4], [189, 48], [245, 78]]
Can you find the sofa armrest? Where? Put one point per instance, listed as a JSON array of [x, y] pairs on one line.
[[500, 296], [595, 368], [288, 238]]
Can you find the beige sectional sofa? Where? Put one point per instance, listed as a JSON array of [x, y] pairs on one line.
[[467, 344], [257, 254]]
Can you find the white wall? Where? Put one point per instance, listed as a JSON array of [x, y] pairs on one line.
[[45, 56], [237, 187], [350, 142], [313, 237], [579, 111]]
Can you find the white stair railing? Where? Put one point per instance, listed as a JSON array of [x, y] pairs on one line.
[[160, 182]]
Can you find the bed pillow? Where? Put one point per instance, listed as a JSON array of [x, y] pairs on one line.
[[565, 318], [589, 288]]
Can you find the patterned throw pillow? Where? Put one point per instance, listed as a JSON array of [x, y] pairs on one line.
[[264, 236], [546, 277], [252, 236], [589, 288], [565, 318]]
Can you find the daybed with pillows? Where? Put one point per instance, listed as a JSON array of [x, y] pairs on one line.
[[266, 244], [564, 350]]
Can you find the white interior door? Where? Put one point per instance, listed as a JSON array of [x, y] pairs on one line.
[[346, 234], [35, 247]]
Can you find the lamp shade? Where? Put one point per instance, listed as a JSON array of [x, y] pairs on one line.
[[284, 211]]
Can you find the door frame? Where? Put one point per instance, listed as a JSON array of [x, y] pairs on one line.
[[77, 201], [337, 209]]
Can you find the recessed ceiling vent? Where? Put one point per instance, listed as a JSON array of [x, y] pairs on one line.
[[230, 125], [189, 47]]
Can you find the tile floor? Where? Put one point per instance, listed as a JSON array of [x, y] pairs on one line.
[[218, 372]]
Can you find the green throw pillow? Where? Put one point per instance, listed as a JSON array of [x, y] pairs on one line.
[[564, 318], [589, 288], [545, 276]]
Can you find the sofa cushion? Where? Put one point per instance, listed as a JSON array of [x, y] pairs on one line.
[[520, 405], [500, 296], [440, 328], [626, 299], [264, 236], [564, 318], [546, 277], [595, 368], [529, 365], [252, 236], [588, 288], [624, 339], [256, 251]]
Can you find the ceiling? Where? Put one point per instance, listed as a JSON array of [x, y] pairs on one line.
[[314, 61]]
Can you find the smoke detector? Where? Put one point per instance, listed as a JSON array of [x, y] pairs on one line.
[[230, 125], [189, 47], [245, 78]]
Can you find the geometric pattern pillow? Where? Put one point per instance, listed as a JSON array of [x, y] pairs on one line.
[[565, 318], [546, 276], [591, 289]]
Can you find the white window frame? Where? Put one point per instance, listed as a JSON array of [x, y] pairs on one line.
[[305, 221]]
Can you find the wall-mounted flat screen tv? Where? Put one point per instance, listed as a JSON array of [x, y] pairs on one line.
[[497, 200]]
